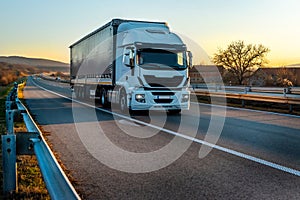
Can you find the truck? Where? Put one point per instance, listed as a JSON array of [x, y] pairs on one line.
[[136, 65]]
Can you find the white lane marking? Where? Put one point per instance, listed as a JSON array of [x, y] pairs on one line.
[[220, 148], [126, 122], [246, 109]]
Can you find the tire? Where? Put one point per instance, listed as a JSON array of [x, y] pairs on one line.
[[75, 92], [123, 102], [82, 94], [103, 98], [79, 93], [98, 96]]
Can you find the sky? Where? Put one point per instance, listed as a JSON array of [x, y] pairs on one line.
[[45, 29]]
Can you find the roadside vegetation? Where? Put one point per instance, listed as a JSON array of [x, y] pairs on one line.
[[3, 93], [30, 181], [11, 72], [241, 60], [244, 64]]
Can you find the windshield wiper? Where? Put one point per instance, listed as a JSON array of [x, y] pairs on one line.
[[178, 67], [153, 64]]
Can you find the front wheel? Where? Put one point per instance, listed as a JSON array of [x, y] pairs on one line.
[[123, 102]]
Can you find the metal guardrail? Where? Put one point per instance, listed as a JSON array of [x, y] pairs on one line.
[[250, 95], [50, 78], [30, 143], [274, 90]]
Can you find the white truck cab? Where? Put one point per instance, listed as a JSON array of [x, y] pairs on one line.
[[145, 66]]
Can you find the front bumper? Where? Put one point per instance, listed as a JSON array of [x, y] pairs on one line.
[[160, 100]]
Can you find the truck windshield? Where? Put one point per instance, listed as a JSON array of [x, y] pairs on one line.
[[154, 59]]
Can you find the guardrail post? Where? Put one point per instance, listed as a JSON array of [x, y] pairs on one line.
[[243, 103], [290, 108], [29, 143], [9, 154], [247, 89], [286, 90], [10, 121], [8, 105], [9, 163]]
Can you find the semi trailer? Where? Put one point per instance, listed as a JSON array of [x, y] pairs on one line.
[[137, 65]]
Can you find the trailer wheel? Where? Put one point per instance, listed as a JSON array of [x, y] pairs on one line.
[[103, 98], [75, 92], [78, 92], [81, 93]]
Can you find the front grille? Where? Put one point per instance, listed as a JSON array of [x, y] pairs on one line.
[[162, 89], [163, 82], [163, 100], [163, 93]]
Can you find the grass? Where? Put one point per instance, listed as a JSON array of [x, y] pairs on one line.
[[30, 181], [3, 93]]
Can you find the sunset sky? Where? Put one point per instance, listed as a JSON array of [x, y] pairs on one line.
[[45, 29]]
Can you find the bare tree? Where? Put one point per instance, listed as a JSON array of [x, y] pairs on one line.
[[285, 77], [241, 60]]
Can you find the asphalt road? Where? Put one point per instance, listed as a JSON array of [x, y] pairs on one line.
[[257, 154]]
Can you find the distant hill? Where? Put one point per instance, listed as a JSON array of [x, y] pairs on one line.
[[11, 72], [15, 67], [294, 65], [37, 62]]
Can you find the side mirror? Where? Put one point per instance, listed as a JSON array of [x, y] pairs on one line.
[[128, 58], [190, 55]]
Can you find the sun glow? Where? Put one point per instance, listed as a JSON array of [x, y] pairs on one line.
[[37, 32]]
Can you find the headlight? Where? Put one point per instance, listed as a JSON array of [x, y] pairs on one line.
[[185, 98], [140, 98]]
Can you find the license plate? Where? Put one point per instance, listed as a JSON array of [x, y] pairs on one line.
[[163, 97]]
